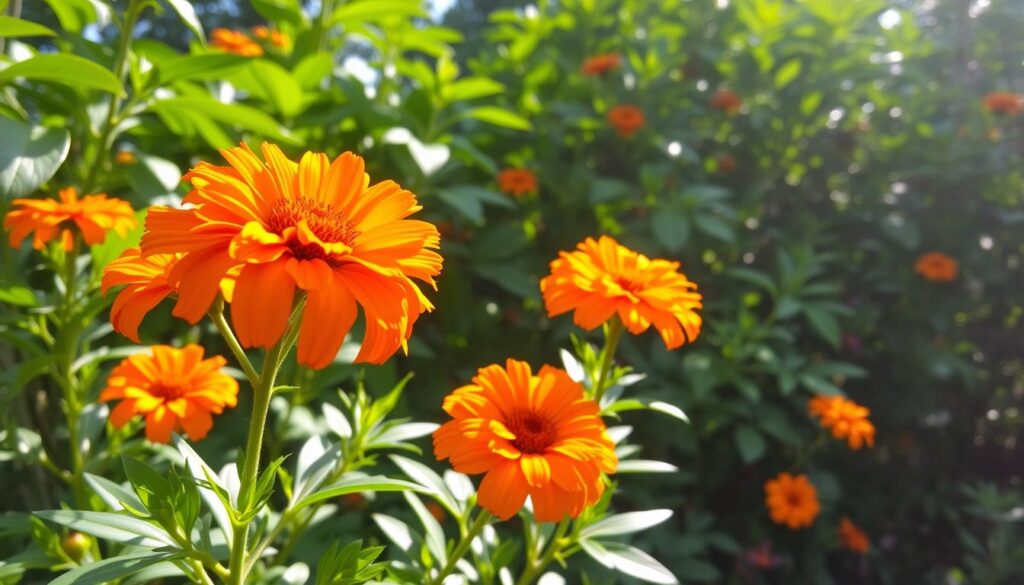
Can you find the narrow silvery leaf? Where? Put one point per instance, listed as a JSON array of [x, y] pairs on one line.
[[619, 434], [629, 560], [316, 461], [405, 432], [336, 421], [626, 523], [110, 526], [645, 466], [398, 532], [459, 484], [434, 533], [114, 495], [204, 473], [572, 366], [669, 409], [426, 477]]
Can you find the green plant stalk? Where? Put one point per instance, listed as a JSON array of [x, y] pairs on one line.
[[534, 570], [66, 378], [611, 343], [803, 457], [482, 519], [216, 314], [323, 24]]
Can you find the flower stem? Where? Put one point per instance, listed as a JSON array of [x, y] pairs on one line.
[[534, 570], [216, 315], [482, 520], [611, 343]]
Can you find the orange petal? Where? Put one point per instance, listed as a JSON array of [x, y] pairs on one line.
[[329, 314], [262, 303], [503, 490]]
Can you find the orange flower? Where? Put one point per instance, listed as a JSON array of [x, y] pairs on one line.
[[937, 267], [601, 64], [728, 101], [235, 42], [312, 226], [601, 279], [276, 37], [146, 281], [175, 389], [517, 182], [92, 215], [792, 500], [1004, 102], [847, 419], [125, 157], [626, 120], [726, 163], [531, 435], [852, 537]]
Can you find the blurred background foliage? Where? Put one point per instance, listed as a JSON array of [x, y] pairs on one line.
[[860, 143]]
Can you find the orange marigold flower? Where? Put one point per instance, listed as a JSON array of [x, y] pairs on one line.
[[847, 419], [147, 281], [792, 500], [533, 435], [937, 267], [92, 216], [1004, 102], [125, 157], [626, 120], [602, 278], [175, 389], [517, 182], [314, 226], [729, 102], [726, 163], [235, 42], [852, 537], [276, 37], [601, 64]]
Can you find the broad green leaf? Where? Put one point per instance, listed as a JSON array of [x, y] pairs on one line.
[[627, 523], [278, 85], [715, 227], [788, 72], [188, 17], [110, 570], [289, 11], [210, 66], [498, 117], [824, 323], [19, 295], [671, 229], [66, 69], [29, 156], [754, 277], [472, 88], [239, 115], [356, 484], [73, 15], [16, 27], [110, 526], [312, 70], [749, 442], [377, 9]]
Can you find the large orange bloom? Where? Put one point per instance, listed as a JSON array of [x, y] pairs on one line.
[[531, 435], [729, 102], [92, 216], [601, 279], [517, 182], [312, 226], [601, 64], [847, 419], [937, 267], [175, 389], [235, 42], [852, 537], [792, 500], [626, 120], [1004, 102], [147, 281]]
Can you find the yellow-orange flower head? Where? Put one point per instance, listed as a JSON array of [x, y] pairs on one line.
[[517, 182], [533, 435], [601, 64], [235, 42], [601, 279], [175, 389], [313, 226], [125, 157], [276, 37], [852, 537], [626, 120], [92, 216], [1005, 103], [847, 420], [729, 102], [792, 500], [937, 267]]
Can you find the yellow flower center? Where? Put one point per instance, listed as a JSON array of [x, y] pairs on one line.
[[534, 433], [327, 223], [167, 390]]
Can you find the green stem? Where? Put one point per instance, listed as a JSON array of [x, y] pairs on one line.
[[803, 457], [323, 24], [481, 521], [534, 570], [611, 343], [216, 315]]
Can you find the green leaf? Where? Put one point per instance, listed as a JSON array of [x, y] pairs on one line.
[[428, 478], [289, 11], [715, 227], [188, 17], [754, 277], [356, 484], [628, 560], [29, 156], [312, 70], [73, 15], [472, 88], [627, 523], [671, 229], [278, 85], [645, 466], [750, 443], [18, 295], [200, 67], [377, 9], [114, 495], [788, 72], [109, 570], [110, 526], [70, 70], [244, 117], [498, 117], [16, 27], [824, 323], [469, 200]]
